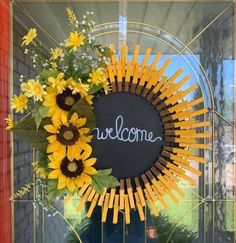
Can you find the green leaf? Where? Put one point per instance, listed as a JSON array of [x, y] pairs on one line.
[[43, 111], [43, 160], [94, 88], [27, 130], [104, 180], [46, 74], [53, 192], [84, 110], [38, 113]]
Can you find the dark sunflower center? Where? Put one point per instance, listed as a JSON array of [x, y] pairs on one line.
[[66, 99], [72, 168], [68, 135]]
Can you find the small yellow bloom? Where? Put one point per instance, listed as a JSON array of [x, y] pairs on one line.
[[75, 40], [78, 87], [25, 87], [34, 89], [42, 173], [19, 103], [10, 123], [53, 65], [71, 15], [97, 76], [27, 39], [56, 52], [59, 83]]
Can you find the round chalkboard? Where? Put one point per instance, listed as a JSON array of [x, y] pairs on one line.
[[128, 136], [147, 134]]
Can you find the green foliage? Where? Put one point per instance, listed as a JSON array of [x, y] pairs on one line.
[[53, 192], [171, 231], [27, 130], [95, 88], [84, 110], [43, 160], [46, 74], [38, 113], [81, 228], [103, 180]]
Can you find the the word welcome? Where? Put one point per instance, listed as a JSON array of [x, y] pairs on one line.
[[125, 134]]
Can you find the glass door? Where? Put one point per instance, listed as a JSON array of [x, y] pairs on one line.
[[199, 37]]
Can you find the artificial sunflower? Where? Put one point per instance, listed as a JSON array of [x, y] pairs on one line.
[[27, 39], [10, 122], [69, 138], [19, 103], [75, 40], [60, 104], [72, 174]]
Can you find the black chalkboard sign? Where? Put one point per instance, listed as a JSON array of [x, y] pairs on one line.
[[129, 134]]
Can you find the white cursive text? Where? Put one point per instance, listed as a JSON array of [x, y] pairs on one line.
[[125, 134]]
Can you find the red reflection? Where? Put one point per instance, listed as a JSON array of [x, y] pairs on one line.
[[5, 173]]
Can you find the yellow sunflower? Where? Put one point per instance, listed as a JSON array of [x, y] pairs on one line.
[[27, 39], [59, 104], [75, 40], [72, 174], [69, 138], [19, 103]]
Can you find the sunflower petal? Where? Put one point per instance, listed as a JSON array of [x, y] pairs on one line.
[[79, 182], [71, 185], [53, 147], [61, 182], [50, 128], [70, 153], [90, 162], [52, 138], [54, 165], [80, 122], [64, 117], [84, 130], [74, 118], [54, 174], [86, 178], [87, 151], [56, 122], [60, 154], [90, 170], [76, 151]]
